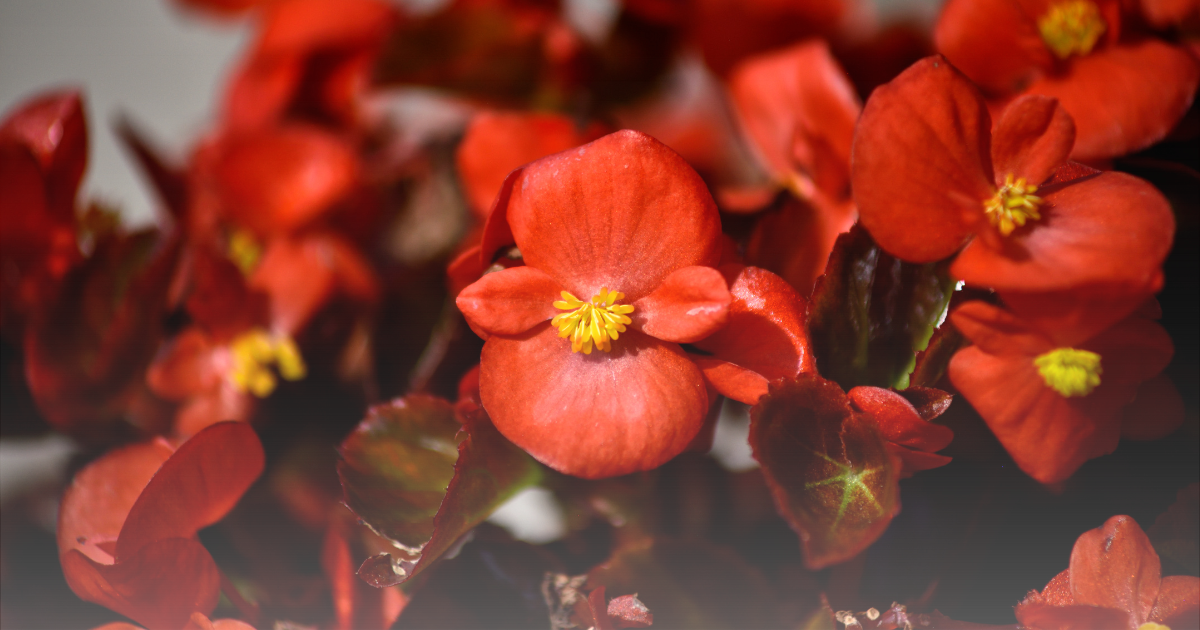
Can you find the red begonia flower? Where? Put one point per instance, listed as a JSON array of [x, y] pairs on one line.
[[313, 58], [43, 152], [1114, 582], [1125, 93], [930, 172], [1054, 397], [622, 221], [498, 142], [910, 435], [127, 525]]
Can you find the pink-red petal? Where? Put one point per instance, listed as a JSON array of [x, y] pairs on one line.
[[511, 301], [732, 380], [690, 304]]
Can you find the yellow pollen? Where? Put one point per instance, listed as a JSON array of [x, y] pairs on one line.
[[598, 322], [244, 251], [254, 352], [1070, 372], [1072, 27], [1013, 205]]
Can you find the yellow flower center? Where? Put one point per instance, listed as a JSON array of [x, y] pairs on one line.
[[1071, 27], [244, 250], [596, 322], [1070, 372], [1013, 205], [254, 352]]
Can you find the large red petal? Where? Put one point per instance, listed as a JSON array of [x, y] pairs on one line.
[[996, 331], [498, 142], [160, 586], [195, 488], [994, 42], [1033, 137], [1112, 231], [799, 109], [1115, 566], [510, 301], [689, 305], [596, 415], [1124, 98], [622, 212], [921, 167], [767, 330]]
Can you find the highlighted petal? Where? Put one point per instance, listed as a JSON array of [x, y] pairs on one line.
[[596, 415], [921, 167], [690, 304], [511, 301]]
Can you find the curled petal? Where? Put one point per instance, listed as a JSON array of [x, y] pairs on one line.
[[690, 304], [595, 415], [898, 421], [622, 212], [511, 301], [921, 167], [1033, 137], [732, 380]]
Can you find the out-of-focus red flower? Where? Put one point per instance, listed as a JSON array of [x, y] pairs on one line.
[[931, 174], [1124, 90], [498, 142], [43, 153], [1114, 582], [628, 227], [799, 111], [313, 60], [727, 31], [1165, 14], [127, 525], [1054, 397]]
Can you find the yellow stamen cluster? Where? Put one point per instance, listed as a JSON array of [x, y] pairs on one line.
[[598, 322], [1072, 27], [254, 352], [244, 250], [1013, 205], [1070, 372]]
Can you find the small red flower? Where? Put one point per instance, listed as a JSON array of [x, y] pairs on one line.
[[127, 525], [1124, 90], [1054, 397], [1114, 582], [582, 366], [932, 176]]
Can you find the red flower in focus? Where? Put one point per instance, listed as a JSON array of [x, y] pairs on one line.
[[1054, 397], [127, 525], [43, 152], [1114, 582], [799, 110], [930, 175], [582, 366], [1124, 90]]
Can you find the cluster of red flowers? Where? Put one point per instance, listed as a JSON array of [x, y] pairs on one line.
[[656, 222]]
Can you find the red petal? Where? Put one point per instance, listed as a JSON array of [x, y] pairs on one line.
[[53, 127], [498, 142], [799, 109], [795, 241], [159, 586], [690, 304], [921, 168], [1037, 616], [1033, 137], [195, 488], [596, 415], [261, 88], [898, 420], [1114, 566], [189, 365], [733, 381], [300, 274], [307, 25], [1124, 98], [622, 212], [998, 332], [994, 42], [767, 330], [1111, 231], [1178, 604], [1156, 411], [279, 180], [912, 462], [511, 301]]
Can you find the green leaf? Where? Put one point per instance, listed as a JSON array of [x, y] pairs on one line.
[[829, 471], [422, 479], [871, 313]]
